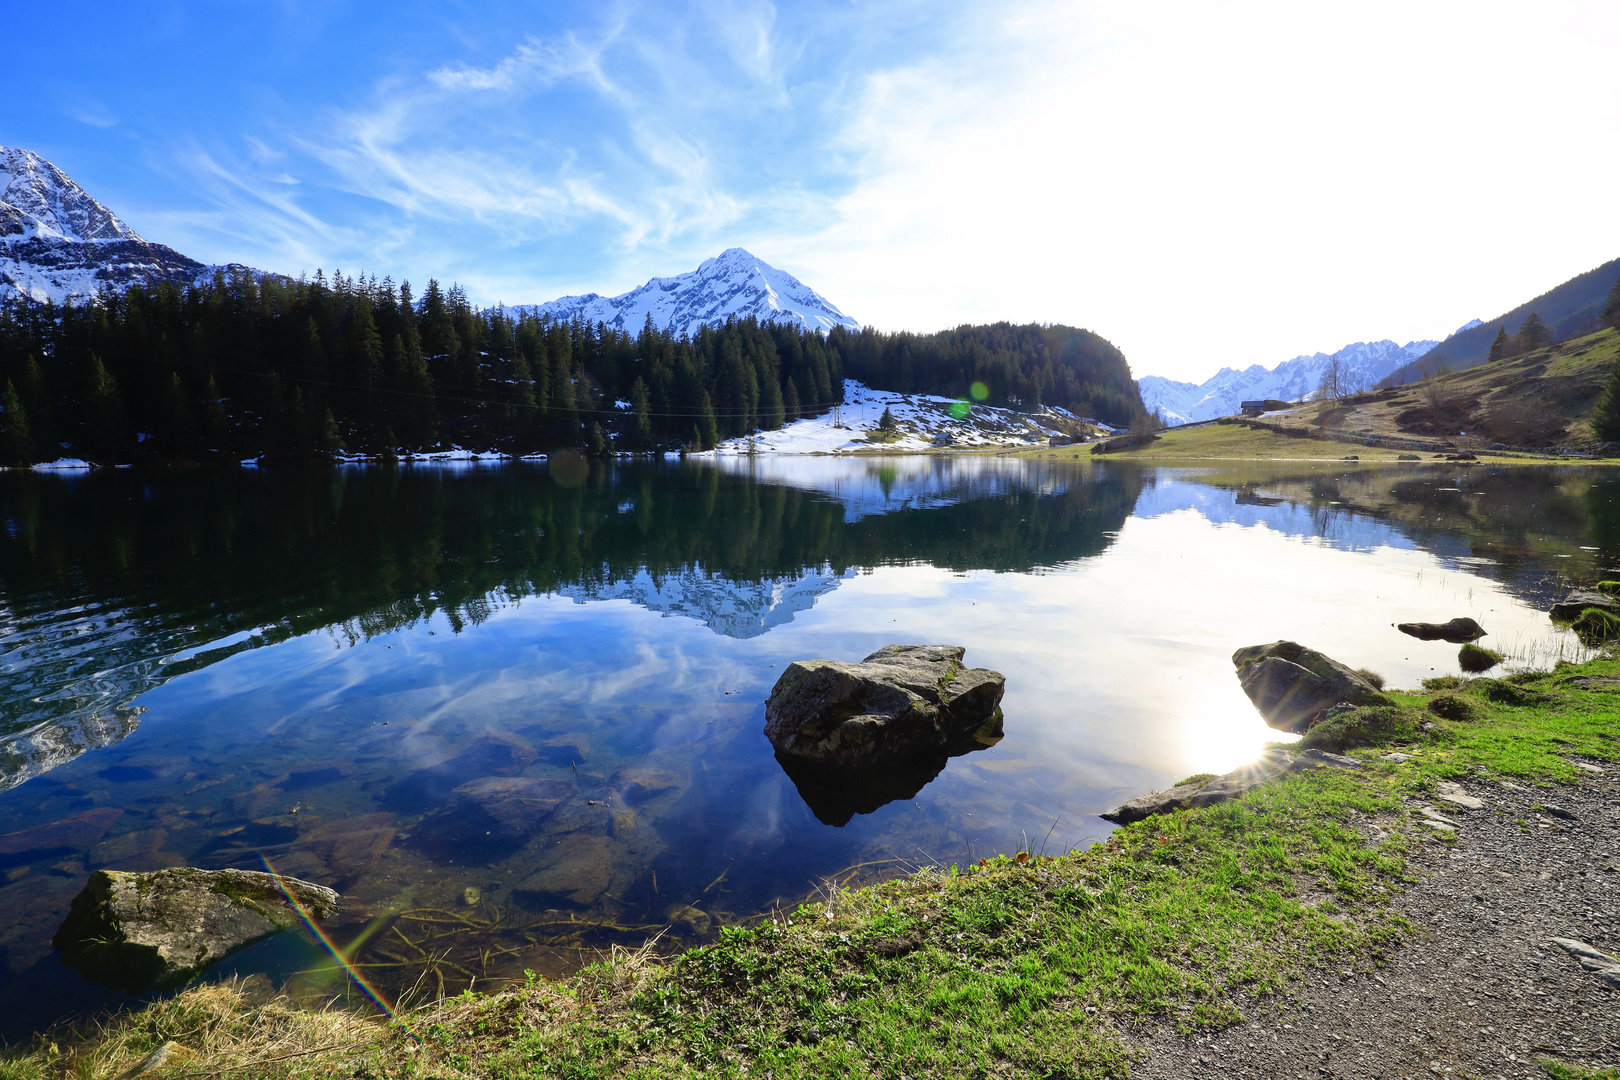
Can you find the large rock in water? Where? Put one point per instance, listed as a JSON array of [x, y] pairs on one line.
[[1293, 686], [900, 703], [137, 932], [1458, 631]]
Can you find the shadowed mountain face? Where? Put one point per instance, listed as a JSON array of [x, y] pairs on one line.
[[113, 583]]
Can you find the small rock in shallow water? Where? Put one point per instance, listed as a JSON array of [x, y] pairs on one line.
[[1457, 631], [136, 932], [1292, 686], [471, 895]]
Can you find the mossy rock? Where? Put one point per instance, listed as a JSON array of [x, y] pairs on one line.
[[1453, 707], [1505, 693], [1473, 659], [1444, 682], [1608, 588], [1344, 729], [1196, 778], [1595, 627]]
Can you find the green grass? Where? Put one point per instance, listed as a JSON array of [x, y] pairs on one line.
[[1022, 966]]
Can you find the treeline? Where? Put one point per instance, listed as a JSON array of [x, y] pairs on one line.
[[1018, 367], [248, 366]]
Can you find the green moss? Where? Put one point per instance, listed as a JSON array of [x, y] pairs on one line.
[[1443, 682], [1506, 693], [1366, 726], [1596, 627], [1608, 588], [1196, 778], [1371, 676], [1454, 707], [1473, 659]]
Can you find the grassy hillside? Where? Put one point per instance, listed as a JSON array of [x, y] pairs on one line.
[[1570, 310], [1536, 402]]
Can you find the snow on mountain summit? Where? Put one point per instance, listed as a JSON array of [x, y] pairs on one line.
[[58, 243], [733, 283]]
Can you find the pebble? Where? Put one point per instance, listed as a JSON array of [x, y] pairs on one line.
[[1558, 812], [1584, 767]]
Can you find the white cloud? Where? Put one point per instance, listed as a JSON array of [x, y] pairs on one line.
[[1227, 184]]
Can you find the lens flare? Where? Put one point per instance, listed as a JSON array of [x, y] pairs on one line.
[[353, 972], [979, 391], [960, 409]]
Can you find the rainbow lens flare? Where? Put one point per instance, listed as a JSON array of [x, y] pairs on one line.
[[342, 961]]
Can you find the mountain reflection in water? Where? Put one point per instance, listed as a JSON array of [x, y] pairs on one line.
[[523, 719]]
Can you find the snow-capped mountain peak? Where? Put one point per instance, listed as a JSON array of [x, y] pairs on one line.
[[734, 283], [58, 243]]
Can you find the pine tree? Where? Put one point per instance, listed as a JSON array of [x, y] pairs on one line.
[[107, 424], [175, 430], [216, 425], [36, 399], [888, 426], [1499, 345], [708, 429], [791, 403], [1606, 420], [18, 440], [1611, 306], [641, 407], [599, 445], [1534, 333]]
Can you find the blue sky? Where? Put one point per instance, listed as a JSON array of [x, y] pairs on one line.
[[1151, 170]]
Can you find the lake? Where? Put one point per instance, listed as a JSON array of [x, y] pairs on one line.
[[301, 665]]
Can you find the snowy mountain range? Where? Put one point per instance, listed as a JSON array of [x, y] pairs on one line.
[[57, 243], [733, 283], [1364, 363]]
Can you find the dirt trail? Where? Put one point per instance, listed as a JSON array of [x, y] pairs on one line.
[[1477, 990]]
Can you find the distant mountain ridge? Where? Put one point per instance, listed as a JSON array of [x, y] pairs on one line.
[[1364, 362], [733, 283]]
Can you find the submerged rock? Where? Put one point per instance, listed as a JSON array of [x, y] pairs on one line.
[[1458, 631], [136, 932], [1293, 686], [496, 810], [574, 871], [76, 833], [902, 702]]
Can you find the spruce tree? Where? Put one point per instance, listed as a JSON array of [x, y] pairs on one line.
[[1534, 333], [599, 445], [642, 409], [1611, 306], [1499, 345], [1606, 420], [18, 439], [107, 424], [708, 428]]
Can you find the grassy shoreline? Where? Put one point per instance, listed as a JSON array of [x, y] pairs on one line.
[[1023, 966]]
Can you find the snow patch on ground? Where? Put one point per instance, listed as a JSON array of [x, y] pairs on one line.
[[925, 423]]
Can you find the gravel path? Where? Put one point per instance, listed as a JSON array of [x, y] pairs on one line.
[[1478, 989]]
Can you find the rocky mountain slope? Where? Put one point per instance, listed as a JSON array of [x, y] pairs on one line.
[[57, 243], [734, 283], [1365, 363]]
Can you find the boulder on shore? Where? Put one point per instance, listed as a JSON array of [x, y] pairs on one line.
[[1570, 607], [1273, 763], [1458, 631], [137, 932], [902, 702], [1293, 686]]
